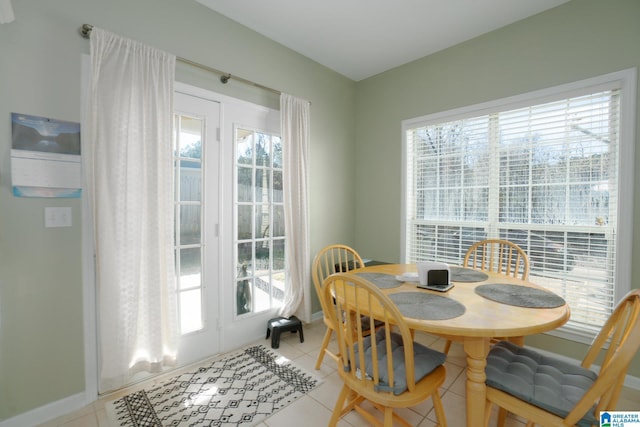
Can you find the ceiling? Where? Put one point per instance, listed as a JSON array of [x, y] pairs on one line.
[[361, 38]]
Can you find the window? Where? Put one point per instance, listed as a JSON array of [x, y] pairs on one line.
[[542, 170], [188, 133], [260, 237]]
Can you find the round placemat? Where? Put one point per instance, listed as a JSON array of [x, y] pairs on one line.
[[381, 280], [426, 306], [462, 274], [520, 296]]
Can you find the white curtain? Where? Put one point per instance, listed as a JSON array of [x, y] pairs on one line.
[[128, 161], [294, 128]]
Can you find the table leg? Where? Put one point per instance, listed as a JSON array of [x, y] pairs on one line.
[[517, 341], [476, 349]]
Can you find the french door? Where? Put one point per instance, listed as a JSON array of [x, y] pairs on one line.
[[229, 230], [197, 212], [253, 237]]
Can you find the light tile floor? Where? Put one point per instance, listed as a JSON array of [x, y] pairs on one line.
[[315, 408]]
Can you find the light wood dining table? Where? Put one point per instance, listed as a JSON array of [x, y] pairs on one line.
[[481, 320]]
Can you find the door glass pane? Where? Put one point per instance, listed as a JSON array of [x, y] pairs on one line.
[[277, 289], [263, 257], [260, 219], [244, 187], [244, 222], [262, 293], [190, 221], [278, 254], [263, 150], [190, 177], [243, 291], [190, 141], [245, 255], [277, 152], [278, 221], [190, 311], [277, 186], [263, 185], [190, 268], [244, 149]]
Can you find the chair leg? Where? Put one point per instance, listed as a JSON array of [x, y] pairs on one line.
[[437, 406], [447, 347], [338, 409], [517, 341], [487, 413], [502, 417], [370, 419], [388, 417], [323, 347]]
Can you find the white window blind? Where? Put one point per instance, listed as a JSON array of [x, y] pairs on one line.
[[544, 176]]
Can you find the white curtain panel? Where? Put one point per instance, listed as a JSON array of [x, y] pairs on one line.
[[294, 128], [129, 173]]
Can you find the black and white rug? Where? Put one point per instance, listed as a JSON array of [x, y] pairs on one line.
[[241, 389]]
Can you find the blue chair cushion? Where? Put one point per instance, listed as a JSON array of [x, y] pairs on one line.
[[551, 384], [426, 360]]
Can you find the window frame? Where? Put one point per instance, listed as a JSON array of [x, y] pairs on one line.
[[624, 80]]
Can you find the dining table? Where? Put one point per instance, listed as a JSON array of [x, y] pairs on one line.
[[481, 305]]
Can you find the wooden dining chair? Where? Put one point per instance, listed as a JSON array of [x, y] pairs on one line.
[[386, 368], [548, 391], [499, 256], [331, 259]]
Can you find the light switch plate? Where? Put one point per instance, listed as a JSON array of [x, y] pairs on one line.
[[57, 217]]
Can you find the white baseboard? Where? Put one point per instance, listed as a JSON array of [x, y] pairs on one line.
[[632, 382], [49, 411], [316, 316]]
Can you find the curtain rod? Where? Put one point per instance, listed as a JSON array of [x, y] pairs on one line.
[[85, 31]]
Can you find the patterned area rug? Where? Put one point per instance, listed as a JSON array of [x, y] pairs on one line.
[[242, 389]]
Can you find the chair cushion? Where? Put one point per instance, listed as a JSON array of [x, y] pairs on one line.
[[549, 383], [426, 360]]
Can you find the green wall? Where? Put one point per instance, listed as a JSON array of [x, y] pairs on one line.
[[41, 311], [41, 318], [578, 40]]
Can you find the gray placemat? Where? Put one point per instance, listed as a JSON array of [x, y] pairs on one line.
[[426, 306], [381, 280], [520, 296], [462, 274]]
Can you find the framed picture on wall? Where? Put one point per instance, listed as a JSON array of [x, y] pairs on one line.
[[45, 157]]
